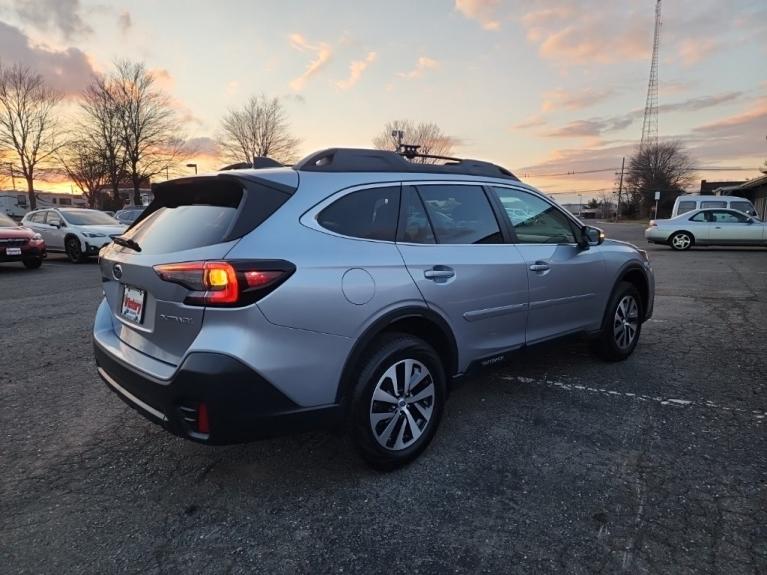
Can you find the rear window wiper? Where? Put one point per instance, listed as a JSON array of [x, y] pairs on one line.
[[127, 243]]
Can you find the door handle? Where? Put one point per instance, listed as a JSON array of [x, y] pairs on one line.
[[439, 273], [539, 267]]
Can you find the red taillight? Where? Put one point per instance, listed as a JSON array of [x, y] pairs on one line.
[[225, 283], [203, 426]]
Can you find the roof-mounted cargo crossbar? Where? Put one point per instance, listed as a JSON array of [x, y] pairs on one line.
[[258, 163], [364, 160]]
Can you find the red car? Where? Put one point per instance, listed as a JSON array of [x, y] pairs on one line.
[[20, 244]]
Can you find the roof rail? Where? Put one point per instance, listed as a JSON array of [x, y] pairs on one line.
[[258, 163], [364, 160]]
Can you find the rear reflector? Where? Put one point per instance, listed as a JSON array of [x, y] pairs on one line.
[[203, 426], [226, 283]]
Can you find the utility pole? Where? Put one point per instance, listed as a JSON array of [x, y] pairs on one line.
[[620, 190], [399, 134]]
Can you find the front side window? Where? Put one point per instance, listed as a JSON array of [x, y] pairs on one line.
[[37, 218], [460, 214], [713, 204], [686, 207], [367, 214], [726, 217], [535, 220]]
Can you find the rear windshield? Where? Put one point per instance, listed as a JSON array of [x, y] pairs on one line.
[[88, 218], [187, 214], [182, 228]]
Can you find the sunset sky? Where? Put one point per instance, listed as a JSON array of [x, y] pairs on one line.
[[540, 87]]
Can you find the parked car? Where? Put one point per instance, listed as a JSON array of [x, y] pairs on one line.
[[708, 228], [78, 232], [127, 216], [690, 203], [352, 288], [20, 244]]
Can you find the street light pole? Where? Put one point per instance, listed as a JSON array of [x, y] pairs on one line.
[[193, 166]]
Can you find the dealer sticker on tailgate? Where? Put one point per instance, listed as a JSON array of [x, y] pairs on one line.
[[133, 304]]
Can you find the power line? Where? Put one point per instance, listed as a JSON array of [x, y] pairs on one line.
[[526, 175]]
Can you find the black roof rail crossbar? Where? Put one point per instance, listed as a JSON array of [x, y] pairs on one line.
[[364, 160], [259, 163]]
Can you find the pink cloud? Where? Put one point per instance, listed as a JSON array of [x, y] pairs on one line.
[[693, 50], [322, 55], [483, 11], [356, 69], [67, 71], [570, 100], [423, 64]]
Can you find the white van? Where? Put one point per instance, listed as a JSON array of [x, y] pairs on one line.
[[687, 203]]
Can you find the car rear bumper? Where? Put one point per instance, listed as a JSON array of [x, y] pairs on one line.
[[27, 253], [241, 405]]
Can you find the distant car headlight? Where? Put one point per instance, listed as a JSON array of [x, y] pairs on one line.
[[94, 235]]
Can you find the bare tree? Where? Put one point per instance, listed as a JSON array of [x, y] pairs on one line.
[[150, 128], [427, 135], [28, 126], [83, 160], [101, 125], [258, 129], [663, 168]]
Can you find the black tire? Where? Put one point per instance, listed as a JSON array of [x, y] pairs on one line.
[[681, 241], [32, 263], [387, 352], [609, 344], [74, 251]]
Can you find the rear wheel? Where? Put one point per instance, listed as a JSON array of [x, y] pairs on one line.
[[32, 263], [622, 324], [398, 401], [73, 249], [681, 241]]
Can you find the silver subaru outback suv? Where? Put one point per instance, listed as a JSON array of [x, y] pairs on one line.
[[350, 289]]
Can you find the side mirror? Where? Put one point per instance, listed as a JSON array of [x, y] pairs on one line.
[[750, 220], [591, 236]]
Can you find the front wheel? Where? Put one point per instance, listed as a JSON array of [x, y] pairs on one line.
[[398, 401], [32, 263], [681, 241], [74, 251], [622, 324]]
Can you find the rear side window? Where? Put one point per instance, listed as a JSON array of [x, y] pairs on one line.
[[699, 217], [712, 204], [686, 207], [414, 225], [367, 214], [460, 214]]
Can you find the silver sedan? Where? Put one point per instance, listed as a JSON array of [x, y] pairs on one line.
[[713, 227]]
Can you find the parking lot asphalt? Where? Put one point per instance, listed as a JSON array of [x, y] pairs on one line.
[[556, 462]]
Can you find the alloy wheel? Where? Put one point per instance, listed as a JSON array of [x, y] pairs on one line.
[[402, 404], [681, 241], [626, 322]]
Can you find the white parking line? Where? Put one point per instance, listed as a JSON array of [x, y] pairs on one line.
[[760, 416]]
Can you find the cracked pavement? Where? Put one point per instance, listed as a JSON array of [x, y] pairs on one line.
[[555, 462]]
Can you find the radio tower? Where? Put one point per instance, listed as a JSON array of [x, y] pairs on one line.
[[650, 124]]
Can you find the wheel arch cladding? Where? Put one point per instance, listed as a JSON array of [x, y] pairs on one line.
[[419, 322]]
